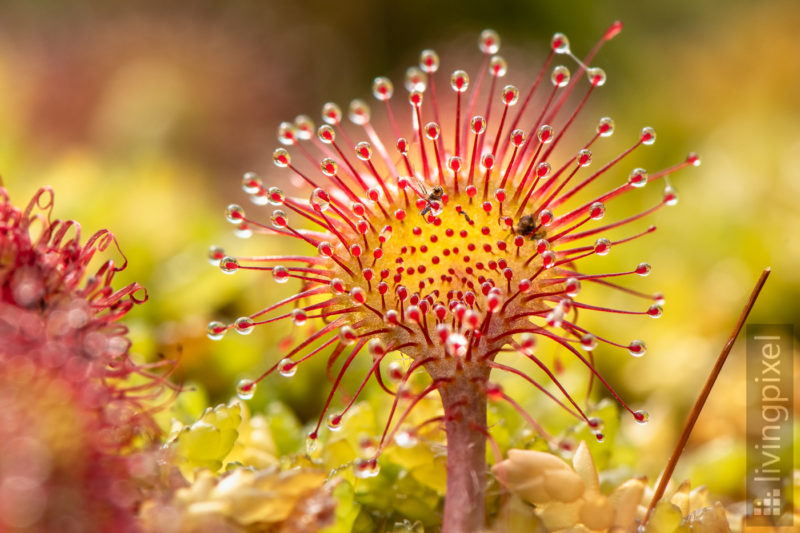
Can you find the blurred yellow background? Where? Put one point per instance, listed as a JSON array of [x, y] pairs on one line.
[[144, 115]]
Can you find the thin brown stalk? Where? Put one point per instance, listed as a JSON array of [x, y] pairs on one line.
[[701, 400]]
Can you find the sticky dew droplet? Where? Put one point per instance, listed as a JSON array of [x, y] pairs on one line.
[[244, 325], [588, 342], [366, 468], [597, 76], [359, 112], [406, 438], [670, 196], [332, 114], [311, 443], [545, 134], [216, 330], [228, 265], [299, 317], [559, 43], [637, 178], [246, 389], [382, 88], [510, 95], [280, 274], [560, 76], [287, 368], [275, 196], [429, 61], [637, 348], [489, 42], [215, 255], [287, 134], [234, 214], [498, 67], [251, 183], [320, 200], [602, 246], [334, 422], [278, 219], [304, 127], [605, 127], [459, 81], [415, 80]]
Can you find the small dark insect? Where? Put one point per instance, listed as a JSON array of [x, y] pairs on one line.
[[526, 226], [435, 195], [461, 212]]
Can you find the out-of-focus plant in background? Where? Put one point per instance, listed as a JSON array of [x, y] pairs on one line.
[[144, 116]]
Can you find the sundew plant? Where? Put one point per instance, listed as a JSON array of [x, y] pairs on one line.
[[438, 321], [450, 231]]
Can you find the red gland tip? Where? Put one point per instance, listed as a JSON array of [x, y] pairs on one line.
[[613, 30]]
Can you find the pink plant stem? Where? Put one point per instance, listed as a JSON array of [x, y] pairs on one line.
[[464, 404]]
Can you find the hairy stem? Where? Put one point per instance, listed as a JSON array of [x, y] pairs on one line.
[[464, 404]]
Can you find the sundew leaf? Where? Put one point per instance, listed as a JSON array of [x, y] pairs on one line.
[[285, 428], [347, 509], [207, 442]]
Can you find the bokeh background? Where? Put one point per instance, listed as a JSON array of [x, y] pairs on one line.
[[144, 115]]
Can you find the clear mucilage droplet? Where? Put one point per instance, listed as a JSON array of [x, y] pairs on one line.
[[245, 389], [638, 177], [228, 265], [415, 80], [275, 196], [459, 81], [510, 95], [281, 158], [498, 67], [359, 112], [215, 254], [406, 438], [280, 274], [287, 368], [588, 342], [251, 183], [478, 125], [545, 134], [216, 330], [605, 127], [326, 134], [235, 214], [366, 468], [648, 136], [278, 219], [382, 88], [334, 422], [304, 127], [320, 200], [489, 42], [559, 43], [637, 348], [429, 61], [287, 134], [332, 114], [299, 317], [560, 76], [244, 325], [597, 76]]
